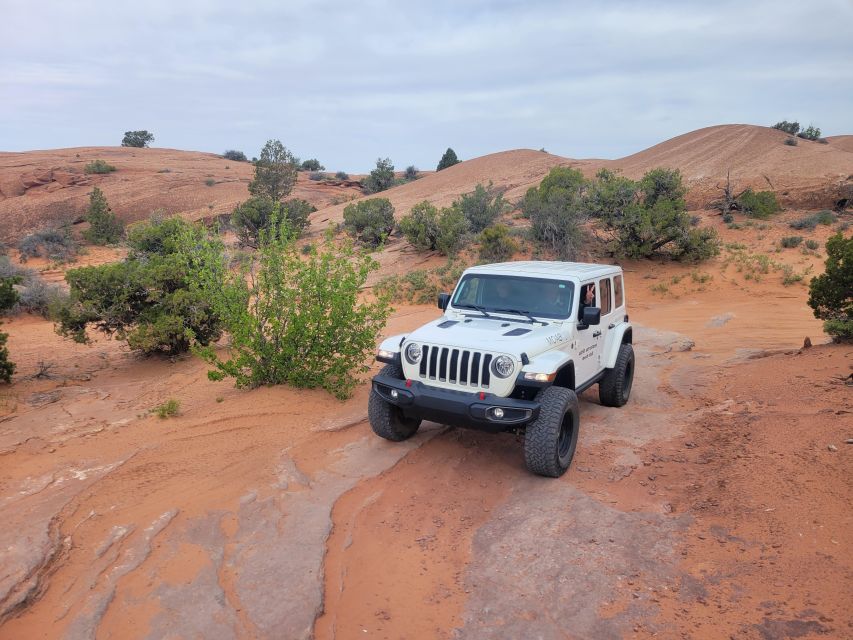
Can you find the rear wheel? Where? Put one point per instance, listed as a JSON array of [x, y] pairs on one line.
[[386, 419], [550, 441], [615, 387]]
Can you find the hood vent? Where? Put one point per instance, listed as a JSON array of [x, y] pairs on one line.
[[447, 324], [517, 332]]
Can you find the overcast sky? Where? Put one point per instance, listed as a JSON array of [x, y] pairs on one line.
[[349, 82]]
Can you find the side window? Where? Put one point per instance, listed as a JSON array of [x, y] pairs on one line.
[[606, 296], [617, 290], [587, 298]]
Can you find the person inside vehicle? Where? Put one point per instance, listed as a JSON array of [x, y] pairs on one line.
[[587, 298]]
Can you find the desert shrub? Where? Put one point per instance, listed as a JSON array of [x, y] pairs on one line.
[[41, 298], [825, 217], [371, 221], [788, 127], [453, 229], [557, 211], [789, 242], [606, 196], [316, 176], [420, 227], [812, 245], [312, 164], [662, 184], [53, 244], [275, 172], [759, 204], [728, 218], [696, 245], [98, 166], [496, 244], [8, 299], [151, 299], [307, 326], [234, 155], [168, 409], [381, 178], [831, 293], [141, 138], [809, 133], [104, 226], [791, 142], [210, 182], [482, 206], [447, 160], [342, 175], [257, 213], [411, 172]]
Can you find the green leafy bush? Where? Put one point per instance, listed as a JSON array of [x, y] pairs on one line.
[[482, 206], [98, 166], [8, 299], [307, 325], [151, 299], [758, 204], [557, 211], [235, 156], [831, 293], [141, 138], [104, 226], [371, 221], [168, 409], [295, 212], [789, 242], [381, 178], [429, 229], [257, 213], [312, 165], [809, 133], [53, 244], [496, 245], [275, 172], [447, 160], [788, 127]]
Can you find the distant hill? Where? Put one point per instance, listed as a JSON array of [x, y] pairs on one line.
[[46, 188]]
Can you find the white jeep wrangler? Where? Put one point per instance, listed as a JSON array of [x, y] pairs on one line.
[[516, 343]]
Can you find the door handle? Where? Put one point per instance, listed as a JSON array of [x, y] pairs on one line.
[[595, 334]]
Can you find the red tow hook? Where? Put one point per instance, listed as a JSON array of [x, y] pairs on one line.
[[482, 395], [408, 383]]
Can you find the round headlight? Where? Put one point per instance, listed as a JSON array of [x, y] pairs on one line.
[[413, 353], [502, 366]]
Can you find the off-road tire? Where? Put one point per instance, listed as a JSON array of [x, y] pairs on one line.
[[614, 389], [386, 419], [550, 441]]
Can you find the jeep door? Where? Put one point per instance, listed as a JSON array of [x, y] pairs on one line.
[[589, 340]]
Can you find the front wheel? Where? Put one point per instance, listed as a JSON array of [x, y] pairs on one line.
[[615, 387], [387, 420], [550, 440]]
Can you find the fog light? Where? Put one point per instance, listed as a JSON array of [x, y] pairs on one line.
[[498, 412], [394, 394]]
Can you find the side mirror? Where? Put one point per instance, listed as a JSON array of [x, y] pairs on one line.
[[443, 300], [591, 316]]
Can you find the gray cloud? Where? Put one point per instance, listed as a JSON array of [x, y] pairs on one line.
[[348, 82]]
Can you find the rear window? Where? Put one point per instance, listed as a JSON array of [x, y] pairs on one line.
[[606, 298], [617, 290], [541, 297]]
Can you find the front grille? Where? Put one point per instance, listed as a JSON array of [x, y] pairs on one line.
[[456, 366]]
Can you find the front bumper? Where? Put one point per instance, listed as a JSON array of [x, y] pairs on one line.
[[456, 408]]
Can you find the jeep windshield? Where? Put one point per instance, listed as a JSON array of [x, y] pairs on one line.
[[514, 295]]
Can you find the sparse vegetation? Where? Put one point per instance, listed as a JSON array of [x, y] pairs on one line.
[[791, 142], [139, 139], [8, 299], [342, 175], [316, 176], [254, 215], [411, 172], [275, 172], [420, 286], [210, 182], [381, 178], [482, 206], [54, 244], [168, 409], [759, 204], [151, 299], [370, 221], [789, 242], [496, 244], [104, 226], [831, 293], [447, 160], [788, 127], [825, 217], [98, 166], [306, 326], [40, 298], [812, 245], [235, 156], [312, 165], [809, 133]]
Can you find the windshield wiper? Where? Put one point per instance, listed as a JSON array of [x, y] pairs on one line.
[[520, 313], [473, 306]]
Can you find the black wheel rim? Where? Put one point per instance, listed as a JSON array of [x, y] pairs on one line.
[[564, 442], [628, 380]]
